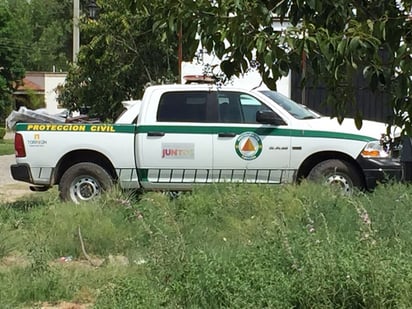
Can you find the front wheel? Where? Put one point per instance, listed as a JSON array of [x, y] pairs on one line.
[[83, 182], [337, 173]]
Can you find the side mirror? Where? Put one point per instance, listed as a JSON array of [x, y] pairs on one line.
[[269, 117]]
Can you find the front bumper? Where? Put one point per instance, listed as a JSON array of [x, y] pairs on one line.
[[21, 172], [379, 170]]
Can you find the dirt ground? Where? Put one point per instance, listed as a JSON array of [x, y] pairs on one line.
[[10, 190]]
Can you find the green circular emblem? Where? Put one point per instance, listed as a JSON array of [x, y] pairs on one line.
[[248, 146]]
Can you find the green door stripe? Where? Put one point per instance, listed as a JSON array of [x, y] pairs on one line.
[[260, 131], [185, 129]]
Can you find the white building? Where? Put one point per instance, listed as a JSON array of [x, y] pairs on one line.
[[44, 85]]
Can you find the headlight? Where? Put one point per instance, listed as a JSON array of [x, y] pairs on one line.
[[374, 150]]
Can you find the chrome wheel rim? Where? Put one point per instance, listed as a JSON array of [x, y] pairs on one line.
[[84, 189], [341, 182]]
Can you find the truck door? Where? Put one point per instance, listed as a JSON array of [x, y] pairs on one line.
[[177, 150], [245, 150]]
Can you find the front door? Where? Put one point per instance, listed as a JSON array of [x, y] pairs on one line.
[[244, 150]]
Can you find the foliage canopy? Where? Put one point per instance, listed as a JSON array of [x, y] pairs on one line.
[[34, 36], [329, 41], [120, 54], [11, 66]]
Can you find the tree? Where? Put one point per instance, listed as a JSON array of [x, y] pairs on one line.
[[119, 55], [329, 41], [50, 35], [45, 33], [11, 66], [34, 35]]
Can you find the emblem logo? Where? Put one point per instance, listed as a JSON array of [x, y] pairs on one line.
[[248, 146]]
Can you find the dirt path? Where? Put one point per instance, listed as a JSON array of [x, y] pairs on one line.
[[10, 190]]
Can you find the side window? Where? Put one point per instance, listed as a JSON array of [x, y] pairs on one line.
[[250, 106], [182, 107], [229, 108], [237, 107]]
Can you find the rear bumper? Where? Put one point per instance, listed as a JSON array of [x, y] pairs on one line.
[[380, 170], [21, 172]]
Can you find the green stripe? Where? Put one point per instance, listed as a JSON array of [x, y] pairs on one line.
[[77, 127], [142, 174], [260, 131], [185, 129]]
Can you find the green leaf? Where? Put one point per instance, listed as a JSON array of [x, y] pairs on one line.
[[342, 47], [311, 4], [228, 67], [172, 23], [354, 44], [358, 120], [269, 81], [260, 44], [383, 30], [268, 59], [283, 67], [353, 63], [370, 24], [367, 72]]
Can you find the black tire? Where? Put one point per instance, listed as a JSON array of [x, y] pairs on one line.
[[336, 172], [83, 182]]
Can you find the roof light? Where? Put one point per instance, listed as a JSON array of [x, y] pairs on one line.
[[200, 79]]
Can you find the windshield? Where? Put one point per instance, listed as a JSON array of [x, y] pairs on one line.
[[297, 110]]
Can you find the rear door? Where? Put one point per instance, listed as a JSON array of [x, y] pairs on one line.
[[177, 150], [245, 150]]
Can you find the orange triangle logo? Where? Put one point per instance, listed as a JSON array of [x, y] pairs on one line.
[[248, 146]]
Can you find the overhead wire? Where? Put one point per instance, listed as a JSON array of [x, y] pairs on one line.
[[6, 44]]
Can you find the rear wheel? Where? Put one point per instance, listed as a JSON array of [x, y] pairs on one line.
[[336, 173], [83, 182]]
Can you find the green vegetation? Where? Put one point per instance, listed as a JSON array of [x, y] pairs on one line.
[[119, 55], [6, 146], [223, 246], [330, 42]]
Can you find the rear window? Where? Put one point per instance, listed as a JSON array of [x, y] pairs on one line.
[[182, 107]]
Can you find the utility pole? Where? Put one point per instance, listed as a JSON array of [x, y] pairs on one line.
[[76, 31], [180, 51]]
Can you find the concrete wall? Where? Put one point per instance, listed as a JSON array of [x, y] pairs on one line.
[[49, 81]]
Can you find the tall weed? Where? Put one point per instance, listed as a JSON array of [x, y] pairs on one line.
[[226, 245]]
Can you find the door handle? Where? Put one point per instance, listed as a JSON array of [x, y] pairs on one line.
[[155, 133], [227, 134]]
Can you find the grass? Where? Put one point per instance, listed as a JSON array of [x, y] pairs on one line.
[[232, 246], [6, 147]]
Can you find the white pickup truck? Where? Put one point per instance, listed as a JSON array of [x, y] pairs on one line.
[[178, 136]]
